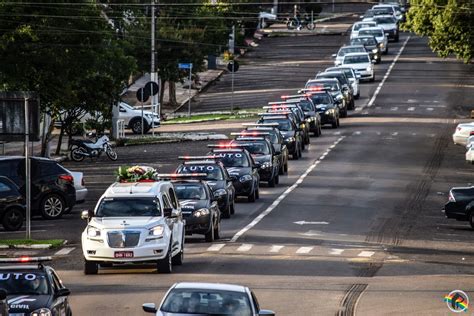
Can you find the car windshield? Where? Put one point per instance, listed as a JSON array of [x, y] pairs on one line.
[[128, 206], [370, 41], [320, 99], [356, 59], [376, 33], [194, 191], [386, 20], [362, 25], [306, 105], [231, 159], [23, 282], [213, 172], [283, 124], [206, 302], [256, 147]]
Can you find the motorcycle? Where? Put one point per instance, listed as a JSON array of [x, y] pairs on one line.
[[81, 148]]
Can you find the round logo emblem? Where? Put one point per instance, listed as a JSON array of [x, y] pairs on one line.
[[457, 301]]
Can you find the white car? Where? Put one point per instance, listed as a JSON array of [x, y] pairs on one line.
[[133, 118], [361, 63], [379, 35], [393, 8], [351, 75], [389, 25], [462, 133], [359, 25], [134, 222], [345, 50], [81, 190], [470, 154]]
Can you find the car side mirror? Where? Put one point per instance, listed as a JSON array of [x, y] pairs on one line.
[[63, 292], [373, 62], [266, 312], [361, 16], [334, 55], [149, 308], [167, 212], [3, 294], [87, 214]]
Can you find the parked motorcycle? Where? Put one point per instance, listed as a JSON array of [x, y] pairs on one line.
[[81, 148]]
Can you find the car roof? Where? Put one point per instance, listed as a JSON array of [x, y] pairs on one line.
[[324, 79], [372, 28], [22, 267], [356, 54], [210, 286], [136, 188], [352, 46], [364, 22]]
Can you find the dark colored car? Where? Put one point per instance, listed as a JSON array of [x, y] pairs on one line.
[[371, 46], [33, 289], [461, 204], [345, 85], [264, 156], [313, 120], [275, 137], [332, 86], [12, 205], [3, 303], [289, 130], [326, 107], [199, 208], [240, 165], [52, 186], [217, 177]]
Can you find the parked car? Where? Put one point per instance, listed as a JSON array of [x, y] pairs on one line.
[[133, 118], [460, 204], [52, 186], [12, 205], [462, 133], [208, 299], [79, 186]]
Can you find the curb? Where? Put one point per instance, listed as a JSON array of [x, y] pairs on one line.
[[37, 246]]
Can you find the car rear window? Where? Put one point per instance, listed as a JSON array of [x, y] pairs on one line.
[[47, 168], [213, 172], [385, 20], [356, 59]]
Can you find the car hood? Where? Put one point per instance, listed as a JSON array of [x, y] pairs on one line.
[[138, 222], [192, 205], [216, 184], [27, 303], [358, 65], [287, 134], [238, 171]]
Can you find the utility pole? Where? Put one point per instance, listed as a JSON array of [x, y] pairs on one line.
[[153, 75], [231, 50]]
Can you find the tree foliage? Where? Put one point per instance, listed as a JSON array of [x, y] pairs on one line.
[[449, 24]]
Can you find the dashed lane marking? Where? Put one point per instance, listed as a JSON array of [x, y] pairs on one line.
[[336, 252], [394, 133], [304, 249], [411, 109], [429, 109], [64, 251], [245, 247], [216, 247], [395, 108], [276, 248], [366, 254]]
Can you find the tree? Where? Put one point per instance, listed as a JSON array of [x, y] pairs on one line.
[[449, 24], [70, 55]]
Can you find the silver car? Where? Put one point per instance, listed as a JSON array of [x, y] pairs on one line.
[[346, 50], [359, 25], [379, 34]]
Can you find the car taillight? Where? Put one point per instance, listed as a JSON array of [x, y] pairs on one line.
[[451, 197], [66, 177], [83, 183], [458, 128]]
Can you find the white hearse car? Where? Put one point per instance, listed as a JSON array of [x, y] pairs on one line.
[[134, 222]]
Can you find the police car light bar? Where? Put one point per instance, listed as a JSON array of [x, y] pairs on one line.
[[227, 150], [26, 259], [284, 97], [274, 116], [180, 175], [279, 113], [280, 106], [196, 157], [222, 146], [283, 104], [250, 133], [262, 124]]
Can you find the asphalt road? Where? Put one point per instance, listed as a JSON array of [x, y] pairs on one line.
[[373, 241]]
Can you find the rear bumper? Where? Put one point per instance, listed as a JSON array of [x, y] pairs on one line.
[[81, 195]]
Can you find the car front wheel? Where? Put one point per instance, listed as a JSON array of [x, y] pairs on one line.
[[13, 219], [90, 267], [52, 207]]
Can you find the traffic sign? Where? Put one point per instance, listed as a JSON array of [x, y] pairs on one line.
[[151, 86], [233, 66], [185, 65], [143, 95]]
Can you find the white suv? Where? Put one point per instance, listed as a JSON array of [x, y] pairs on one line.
[[134, 222], [133, 118]]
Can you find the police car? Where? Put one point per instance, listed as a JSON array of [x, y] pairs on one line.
[[217, 177], [240, 165], [134, 222], [32, 288], [198, 206], [312, 117], [264, 155], [289, 130]]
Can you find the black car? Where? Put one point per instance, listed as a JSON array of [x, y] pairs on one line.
[[240, 165], [289, 130], [313, 120], [12, 205], [371, 46], [326, 107], [275, 137], [52, 186], [217, 177], [345, 85], [332, 86], [199, 208], [461, 204], [33, 289], [264, 156]]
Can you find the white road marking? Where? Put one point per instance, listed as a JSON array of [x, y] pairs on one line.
[[389, 70], [378, 133], [304, 249], [394, 108], [429, 109], [276, 248], [366, 254], [413, 134], [356, 133], [394, 133], [216, 247], [245, 247], [411, 108], [270, 208], [310, 223], [411, 100], [310, 233], [336, 252], [64, 251], [336, 133]]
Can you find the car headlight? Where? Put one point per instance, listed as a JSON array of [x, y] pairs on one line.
[[201, 212], [375, 50], [93, 232], [266, 164], [382, 45], [41, 312], [156, 231], [245, 178], [290, 139], [369, 68], [220, 192], [328, 112]]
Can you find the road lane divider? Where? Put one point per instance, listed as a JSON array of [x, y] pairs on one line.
[[216, 247], [389, 70], [275, 203]]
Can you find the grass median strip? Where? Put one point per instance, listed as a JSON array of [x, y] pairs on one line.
[[209, 117], [32, 243]]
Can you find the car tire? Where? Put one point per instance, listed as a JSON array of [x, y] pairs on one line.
[[52, 206], [257, 192], [271, 183], [136, 126], [217, 231], [209, 236], [277, 179], [76, 154], [295, 155], [253, 196], [471, 219], [373, 78], [285, 168], [179, 258], [165, 265], [226, 213], [281, 170], [13, 219], [397, 38], [106, 265], [90, 267], [357, 96], [232, 208], [352, 107]]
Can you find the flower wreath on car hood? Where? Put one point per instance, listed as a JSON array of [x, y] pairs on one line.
[[136, 174]]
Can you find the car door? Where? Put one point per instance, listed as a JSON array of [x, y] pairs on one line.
[[9, 192], [178, 223], [60, 303], [229, 185], [171, 221]]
